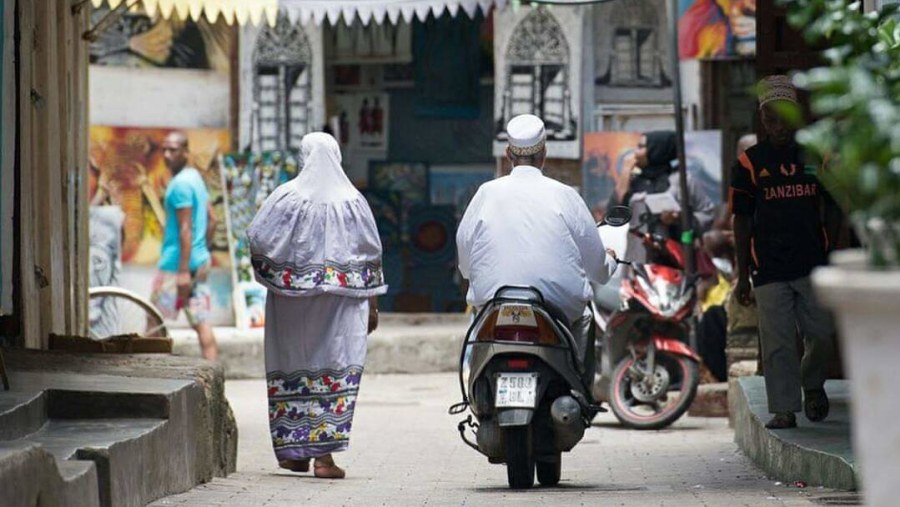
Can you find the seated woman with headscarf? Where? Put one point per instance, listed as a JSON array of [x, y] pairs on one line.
[[656, 172], [315, 246]]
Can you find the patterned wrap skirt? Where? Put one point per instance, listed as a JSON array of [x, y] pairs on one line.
[[315, 351]]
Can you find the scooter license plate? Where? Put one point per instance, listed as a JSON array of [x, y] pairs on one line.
[[517, 390]]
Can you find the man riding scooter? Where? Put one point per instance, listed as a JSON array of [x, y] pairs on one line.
[[529, 247], [529, 230]]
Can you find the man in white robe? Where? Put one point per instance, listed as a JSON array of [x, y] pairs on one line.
[[530, 230]]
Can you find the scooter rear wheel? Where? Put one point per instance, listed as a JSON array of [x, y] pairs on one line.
[[519, 457], [549, 472], [625, 407]]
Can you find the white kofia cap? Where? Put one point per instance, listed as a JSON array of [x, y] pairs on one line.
[[526, 135]]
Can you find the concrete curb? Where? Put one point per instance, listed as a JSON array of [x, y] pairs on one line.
[[403, 343], [816, 453]]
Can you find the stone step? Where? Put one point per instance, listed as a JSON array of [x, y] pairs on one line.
[[80, 483], [21, 413], [70, 439], [819, 454], [30, 475], [114, 440]]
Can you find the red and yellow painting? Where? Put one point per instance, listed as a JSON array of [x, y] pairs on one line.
[[716, 28], [608, 161], [127, 168]]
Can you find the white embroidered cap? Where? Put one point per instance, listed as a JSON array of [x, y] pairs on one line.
[[526, 135], [776, 87]]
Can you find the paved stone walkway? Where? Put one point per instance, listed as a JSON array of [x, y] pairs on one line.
[[406, 451]]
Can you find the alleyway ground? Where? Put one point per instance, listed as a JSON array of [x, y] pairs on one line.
[[405, 451]]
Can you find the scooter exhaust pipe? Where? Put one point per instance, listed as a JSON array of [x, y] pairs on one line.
[[567, 422]]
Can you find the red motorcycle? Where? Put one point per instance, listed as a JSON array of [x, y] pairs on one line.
[[647, 372]]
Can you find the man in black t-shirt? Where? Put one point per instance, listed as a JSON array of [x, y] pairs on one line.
[[776, 199]]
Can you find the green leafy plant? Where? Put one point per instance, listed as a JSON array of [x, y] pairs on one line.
[[857, 100]]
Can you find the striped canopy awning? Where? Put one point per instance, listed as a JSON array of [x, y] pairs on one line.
[[255, 11]]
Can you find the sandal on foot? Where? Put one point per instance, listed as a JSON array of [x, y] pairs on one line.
[[782, 421], [816, 405], [325, 468], [295, 465]]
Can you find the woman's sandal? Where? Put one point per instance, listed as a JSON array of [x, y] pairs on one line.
[[325, 468], [295, 465]]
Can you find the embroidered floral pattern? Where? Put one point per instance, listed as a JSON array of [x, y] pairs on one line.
[[363, 276], [311, 412]]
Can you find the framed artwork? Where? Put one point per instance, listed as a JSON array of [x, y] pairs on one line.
[[126, 165], [249, 178]]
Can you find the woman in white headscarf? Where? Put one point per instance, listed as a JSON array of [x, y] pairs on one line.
[[315, 246]]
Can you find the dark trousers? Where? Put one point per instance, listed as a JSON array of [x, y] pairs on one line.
[[785, 307]]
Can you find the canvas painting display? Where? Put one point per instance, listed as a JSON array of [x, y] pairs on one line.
[[609, 160], [138, 40], [456, 185], [716, 28], [249, 178], [537, 70], [127, 170], [704, 161], [363, 121]]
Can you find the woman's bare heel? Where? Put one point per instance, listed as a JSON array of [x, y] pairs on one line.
[[325, 468]]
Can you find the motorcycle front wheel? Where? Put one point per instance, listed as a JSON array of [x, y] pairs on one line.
[[519, 457], [682, 376]]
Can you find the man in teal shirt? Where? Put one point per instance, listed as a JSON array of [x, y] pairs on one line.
[[181, 283]]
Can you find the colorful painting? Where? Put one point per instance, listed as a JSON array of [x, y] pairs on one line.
[[456, 185], [410, 180], [249, 179], [127, 170], [716, 28], [363, 121], [138, 40], [608, 161]]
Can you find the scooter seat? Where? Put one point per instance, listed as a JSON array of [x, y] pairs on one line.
[[533, 296]]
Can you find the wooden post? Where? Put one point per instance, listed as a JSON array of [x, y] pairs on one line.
[[30, 317], [47, 193], [81, 128]]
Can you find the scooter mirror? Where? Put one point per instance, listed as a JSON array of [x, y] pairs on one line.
[[617, 216]]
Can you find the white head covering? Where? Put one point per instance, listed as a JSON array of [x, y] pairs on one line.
[[316, 234], [526, 135], [322, 178]]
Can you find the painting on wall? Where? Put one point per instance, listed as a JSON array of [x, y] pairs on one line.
[[609, 160], [363, 121], [631, 51], [138, 40], [409, 180], [249, 178], [716, 28], [127, 170], [704, 161], [456, 185], [537, 62]]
